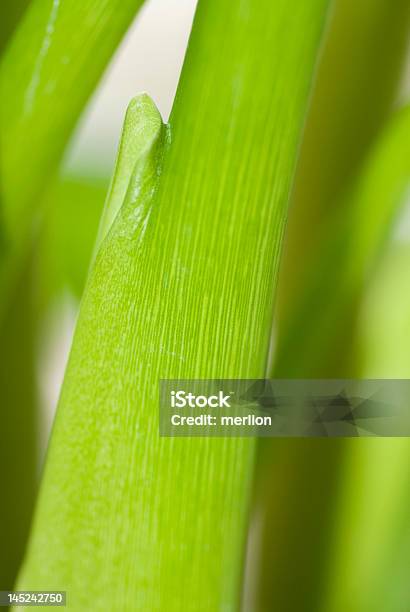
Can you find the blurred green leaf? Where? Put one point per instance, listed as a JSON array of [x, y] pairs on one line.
[[297, 496], [48, 72], [385, 316], [19, 428], [372, 547], [318, 479], [371, 554], [297, 521], [11, 12], [182, 286], [356, 85], [345, 258], [65, 244]]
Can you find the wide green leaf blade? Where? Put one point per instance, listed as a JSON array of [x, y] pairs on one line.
[[182, 286]]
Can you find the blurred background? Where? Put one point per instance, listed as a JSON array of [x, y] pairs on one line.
[[330, 524]]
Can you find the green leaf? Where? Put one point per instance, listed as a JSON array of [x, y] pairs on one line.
[[372, 545], [351, 245], [10, 14], [358, 76], [182, 286], [65, 245], [142, 128], [59, 266], [48, 72], [301, 482], [297, 495], [385, 316], [19, 427], [321, 480]]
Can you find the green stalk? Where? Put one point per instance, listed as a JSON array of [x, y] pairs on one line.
[[182, 286]]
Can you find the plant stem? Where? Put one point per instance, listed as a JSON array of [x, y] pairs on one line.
[[182, 286]]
